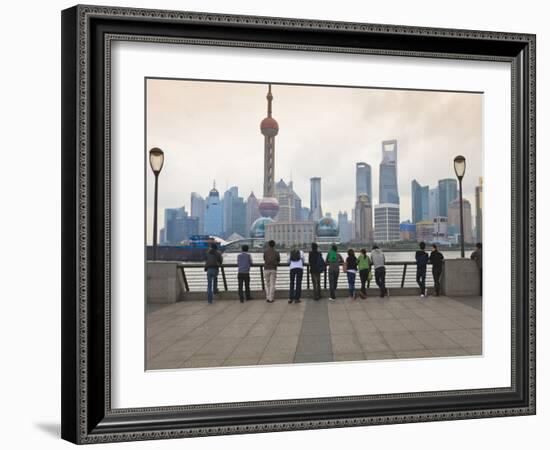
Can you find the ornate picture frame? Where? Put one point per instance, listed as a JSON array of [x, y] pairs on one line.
[[87, 35]]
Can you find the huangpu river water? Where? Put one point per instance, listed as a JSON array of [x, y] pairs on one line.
[[406, 256]]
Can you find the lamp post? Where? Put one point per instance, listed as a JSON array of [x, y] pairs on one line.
[[460, 169], [156, 160]]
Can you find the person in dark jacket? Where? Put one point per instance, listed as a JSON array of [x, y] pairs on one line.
[[334, 261], [477, 257], [316, 268], [436, 259], [351, 271], [212, 266], [421, 258], [244, 261]]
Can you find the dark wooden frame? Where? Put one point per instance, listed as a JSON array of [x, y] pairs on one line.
[[87, 31]]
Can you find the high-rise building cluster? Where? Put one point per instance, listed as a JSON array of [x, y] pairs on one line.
[[436, 213], [280, 215]]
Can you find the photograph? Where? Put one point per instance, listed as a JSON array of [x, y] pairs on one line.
[[297, 224]]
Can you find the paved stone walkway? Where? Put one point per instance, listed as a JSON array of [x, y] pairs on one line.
[[229, 333]]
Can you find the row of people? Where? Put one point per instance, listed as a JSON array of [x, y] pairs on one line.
[[351, 266], [363, 264]]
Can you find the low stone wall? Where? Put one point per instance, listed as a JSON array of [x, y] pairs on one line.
[[162, 282], [460, 278]]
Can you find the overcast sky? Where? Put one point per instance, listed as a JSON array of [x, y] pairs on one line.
[[211, 131]]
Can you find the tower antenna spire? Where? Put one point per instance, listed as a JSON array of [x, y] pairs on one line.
[[269, 100]]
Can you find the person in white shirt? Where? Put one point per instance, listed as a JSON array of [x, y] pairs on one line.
[[296, 266]]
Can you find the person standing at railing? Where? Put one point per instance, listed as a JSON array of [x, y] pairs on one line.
[[477, 257], [316, 268], [436, 259], [296, 266], [334, 260], [379, 263], [212, 266], [364, 265], [422, 259], [272, 258], [244, 261], [350, 267]]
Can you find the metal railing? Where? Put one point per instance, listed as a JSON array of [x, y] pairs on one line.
[[192, 277]]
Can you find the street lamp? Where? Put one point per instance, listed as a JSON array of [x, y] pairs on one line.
[[156, 160], [460, 169]]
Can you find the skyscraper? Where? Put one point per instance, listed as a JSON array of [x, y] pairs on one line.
[[213, 216], [316, 211], [388, 192], [433, 200], [252, 211], [363, 219], [288, 202], [344, 225], [419, 201], [386, 222], [178, 226], [198, 208], [454, 219], [363, 180], [227, 206], [479, 211], [448, 191]]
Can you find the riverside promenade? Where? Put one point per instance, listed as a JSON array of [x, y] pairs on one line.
[[193, 334]]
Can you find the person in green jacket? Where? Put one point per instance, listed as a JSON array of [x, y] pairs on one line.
[[363, 265]]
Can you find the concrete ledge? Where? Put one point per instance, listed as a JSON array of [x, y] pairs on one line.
[[162, 283], [460, 278]]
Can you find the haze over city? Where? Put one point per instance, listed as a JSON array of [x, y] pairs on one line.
[[210, 131]]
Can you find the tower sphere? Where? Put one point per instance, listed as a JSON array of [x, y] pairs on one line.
[[269, 207], [269, 127]]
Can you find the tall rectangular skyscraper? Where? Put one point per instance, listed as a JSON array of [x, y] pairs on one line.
[[198, 209], [316, 211], [419, 201], [433, 203], [448, 191], [388, 192], [363, 180]]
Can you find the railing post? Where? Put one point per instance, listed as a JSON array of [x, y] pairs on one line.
[[404, 273], [185, 283], [262, 277], [224, 279], [307, 276]]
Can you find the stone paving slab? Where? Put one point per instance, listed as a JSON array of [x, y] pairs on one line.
[[193, 334]]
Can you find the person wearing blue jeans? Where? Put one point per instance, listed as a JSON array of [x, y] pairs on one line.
[[296, 266], [211, 277], [351, 271], [213, 262]]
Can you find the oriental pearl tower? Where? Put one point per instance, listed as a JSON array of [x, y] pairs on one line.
[[268, 205]]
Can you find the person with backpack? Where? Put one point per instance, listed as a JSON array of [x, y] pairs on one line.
[[436, 259], [351, 271], [422, 259], [334, 260], [272, 258], [244, 262], [296, 266], [363, 265], [379, 263], [213, 262], [316, 268], [477, 257]]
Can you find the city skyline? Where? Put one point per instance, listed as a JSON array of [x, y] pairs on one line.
[[338, 177]]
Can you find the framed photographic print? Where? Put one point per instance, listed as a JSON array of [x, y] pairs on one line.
[[280, 224]]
